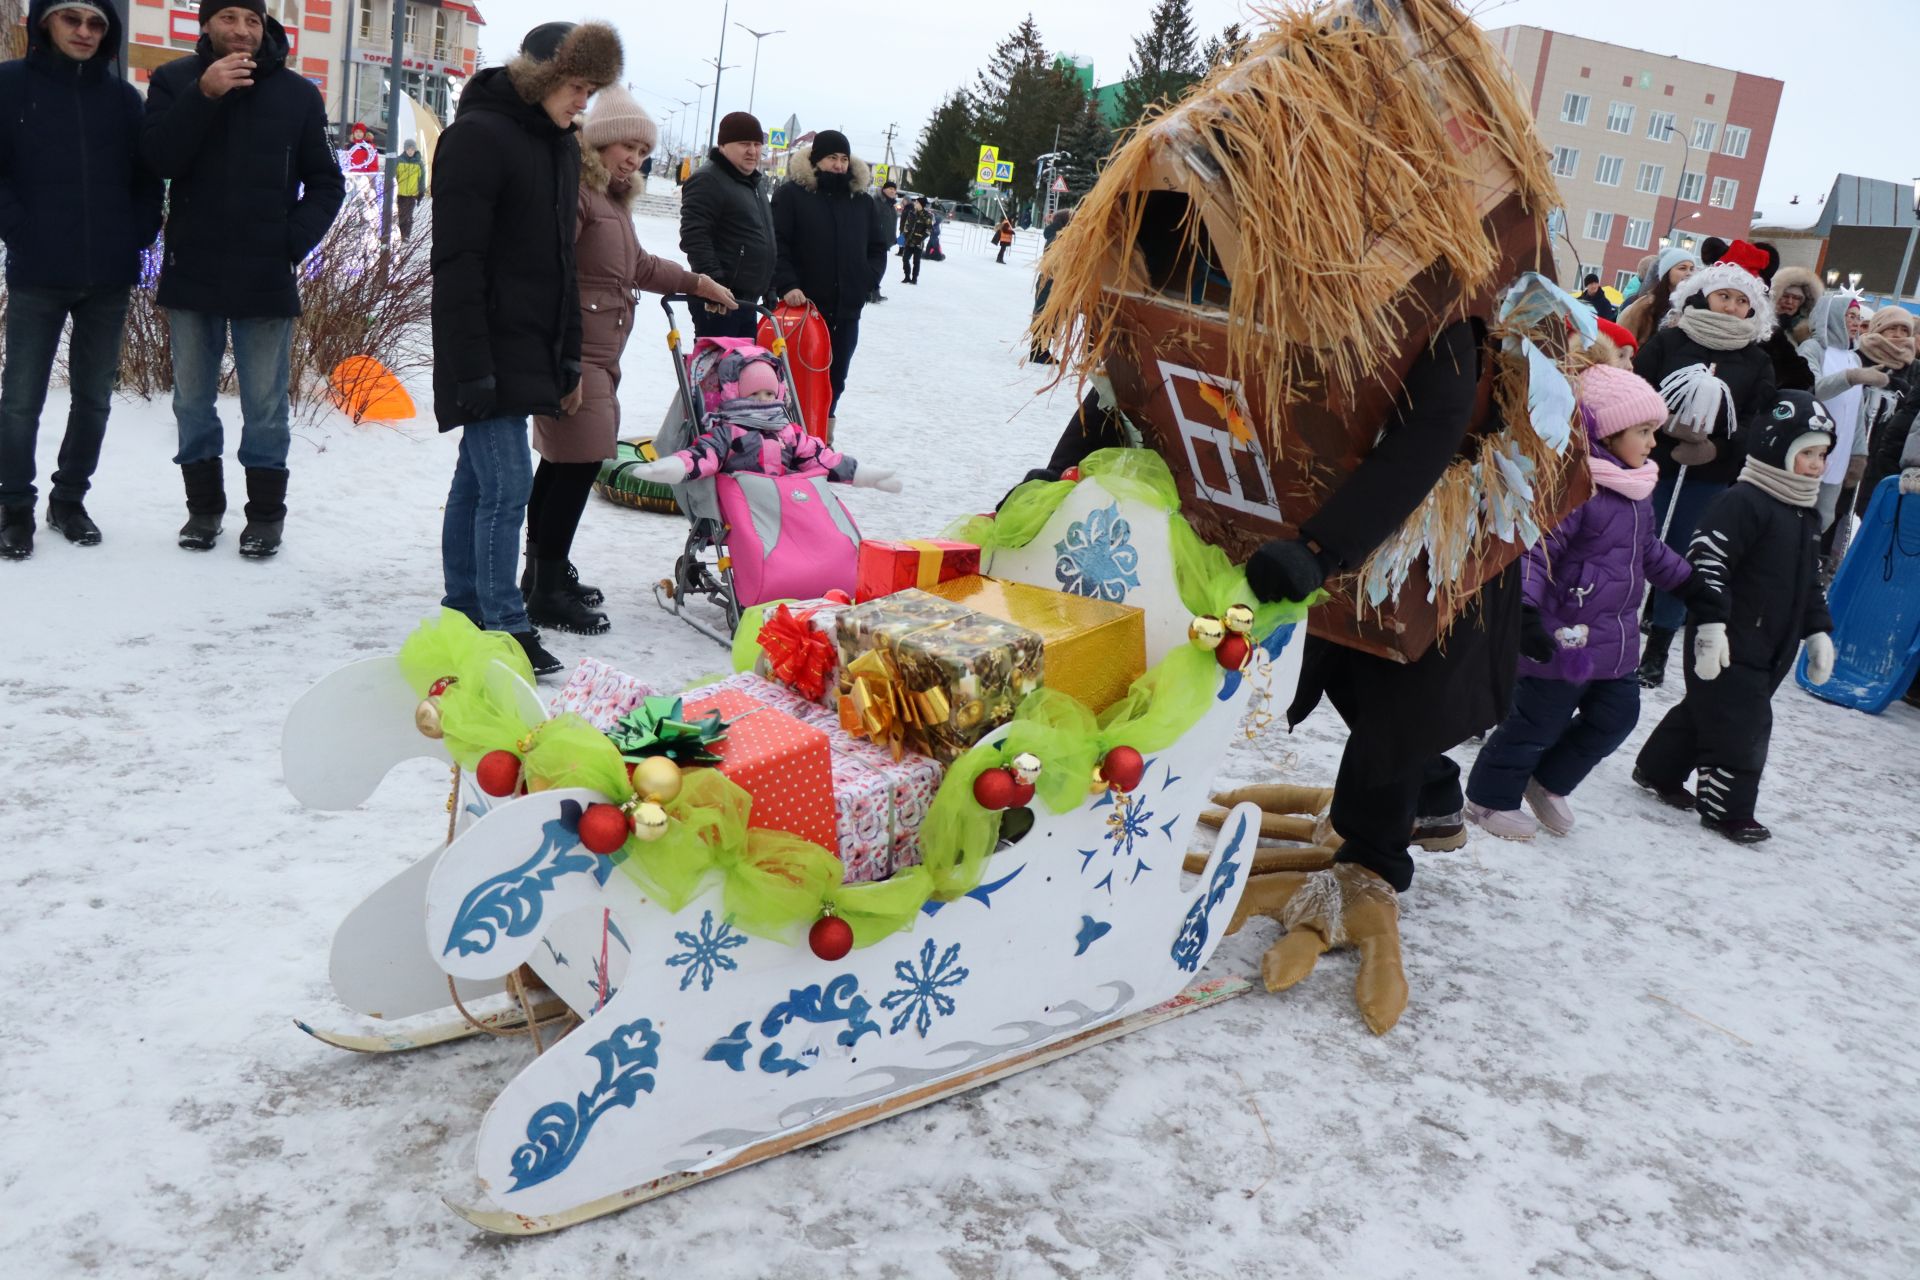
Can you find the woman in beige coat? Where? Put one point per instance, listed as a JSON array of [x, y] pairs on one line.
[[617, 139]]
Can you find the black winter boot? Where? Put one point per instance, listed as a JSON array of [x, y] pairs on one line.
[[590, 596], [553, 604], [1738, 830], [71, 519], [206, 503], [1653, 663], [16, 532], [266, 512], [544, 663]]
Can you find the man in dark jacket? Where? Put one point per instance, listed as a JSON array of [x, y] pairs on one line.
[[1594, 296], [726, 228], [243, 139], [832, 249], [506, 303], [887, 202], [76, 208], [915, 227]]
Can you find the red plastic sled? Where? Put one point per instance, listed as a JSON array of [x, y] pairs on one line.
[[810, 353]]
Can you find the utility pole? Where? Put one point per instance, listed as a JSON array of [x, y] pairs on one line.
[[695, 136], [758, 36], [892, 129], [713, 125], [394, 95]]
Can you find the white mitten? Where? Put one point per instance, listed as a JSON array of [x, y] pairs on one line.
[[1820, 657], [866, 477], [1910, 481], [1711, 652], [668, 470]]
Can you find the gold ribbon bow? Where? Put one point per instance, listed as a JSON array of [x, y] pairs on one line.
[[880, 707]]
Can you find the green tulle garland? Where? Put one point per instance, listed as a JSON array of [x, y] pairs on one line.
[[478, 711]]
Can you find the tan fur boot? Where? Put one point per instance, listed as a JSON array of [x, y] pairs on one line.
[[1346, 905]]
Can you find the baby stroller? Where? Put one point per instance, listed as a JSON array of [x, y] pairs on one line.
[[753, 538]]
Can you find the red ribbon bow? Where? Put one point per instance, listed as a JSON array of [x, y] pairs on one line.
[[799, 657]]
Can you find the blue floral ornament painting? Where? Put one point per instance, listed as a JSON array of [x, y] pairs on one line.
[[1097, 558]]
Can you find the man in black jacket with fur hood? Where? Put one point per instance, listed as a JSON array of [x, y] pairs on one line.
[[506, 302]]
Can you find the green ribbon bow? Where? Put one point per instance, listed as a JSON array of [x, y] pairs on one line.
[[657, 727]]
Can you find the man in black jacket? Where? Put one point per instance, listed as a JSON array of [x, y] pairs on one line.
[[506, 302], [832, 249], [887, 202], [76, 208], [726, 228], [239, 136]]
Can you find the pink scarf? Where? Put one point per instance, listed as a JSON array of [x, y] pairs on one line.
[[1632, 485]]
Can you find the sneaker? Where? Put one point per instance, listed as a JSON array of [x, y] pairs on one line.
[[71, 519], [544, 663], [16, 533], [1738, 830], [1677, 796], [1508, 824], [1555, 814], [1441, 834]]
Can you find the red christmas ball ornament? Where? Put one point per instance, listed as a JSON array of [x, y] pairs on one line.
[[831, 937], [837, 596], [1072, 474], [1022, 795], [996, 789], [1124, 768], [1234, 652], [498, 773], [603, 828]]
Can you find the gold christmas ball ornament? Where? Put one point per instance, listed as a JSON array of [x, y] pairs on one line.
[[1238, 619], [426, 718], [1098, 782], [1026, 767], [1207, 632], [657, 778], [649, 820]]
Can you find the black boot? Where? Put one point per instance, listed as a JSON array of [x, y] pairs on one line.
[[553, 605], [1653, 663], [1675, 794], [1738, 830], [16, 532], [206, 503], [71, 518], [590, 596], [544, 663], [266, 512]]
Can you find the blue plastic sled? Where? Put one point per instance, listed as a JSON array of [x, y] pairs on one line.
[[1875, 601]]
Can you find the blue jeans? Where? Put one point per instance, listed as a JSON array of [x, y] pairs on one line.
[[35, 318], [1695, 494], [486, 509], [1555, 734], [263, 362]]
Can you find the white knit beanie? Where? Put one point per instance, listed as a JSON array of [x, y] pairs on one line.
[[615, 117]]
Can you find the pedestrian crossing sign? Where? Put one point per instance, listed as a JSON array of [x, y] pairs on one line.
[[1003, 171], [777, 138], [988, 155], [880, 172]]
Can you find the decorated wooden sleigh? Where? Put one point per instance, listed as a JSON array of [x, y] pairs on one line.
[[702, 1046]]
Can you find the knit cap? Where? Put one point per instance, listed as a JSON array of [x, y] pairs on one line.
[[1618, 334], [1667, 260], [829, 142], [1614, 399], [759, 376], [738, 126], [210, 7], [615, 117]]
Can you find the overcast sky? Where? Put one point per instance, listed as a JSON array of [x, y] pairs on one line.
[[858, 65]]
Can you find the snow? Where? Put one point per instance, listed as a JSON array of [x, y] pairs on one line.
[[1636, 1051]]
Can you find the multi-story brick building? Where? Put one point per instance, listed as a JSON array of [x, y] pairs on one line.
[[1645, 146]]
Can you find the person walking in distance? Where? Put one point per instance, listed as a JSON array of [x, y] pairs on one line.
[[726, 227], [887, 201], [915, 227], [1003, 236], [77, 205], [243, 140], [409, 186], [506, 303]]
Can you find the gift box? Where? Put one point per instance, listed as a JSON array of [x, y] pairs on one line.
[[781, 761], [1095, 649], [911, 783], [599, 694], [889, 567], [773, 694], [921, 673], [799, 651], [863, 819]]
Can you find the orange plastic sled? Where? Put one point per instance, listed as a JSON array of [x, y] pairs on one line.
[[810, 352], [364, 389]]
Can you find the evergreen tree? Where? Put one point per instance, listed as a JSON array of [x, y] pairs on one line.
[[1224, 48], [1165, 60], [1089, 139], [1018, 100], [943, 164]]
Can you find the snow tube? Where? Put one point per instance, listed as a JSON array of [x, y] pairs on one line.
[[366, 390], [1875, 602], [810, 353], [617, 483]]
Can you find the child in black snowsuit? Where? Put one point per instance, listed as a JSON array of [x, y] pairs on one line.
[[1757, 594]]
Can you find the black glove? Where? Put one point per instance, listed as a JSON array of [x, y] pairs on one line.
[[1286, 570], [476, 399], [1696, 589], [1535, 643]]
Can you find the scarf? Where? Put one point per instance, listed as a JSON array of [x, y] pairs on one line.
[[1794, 490], [1714, 331], [1888, 353], [768, 417], [1631, 483]]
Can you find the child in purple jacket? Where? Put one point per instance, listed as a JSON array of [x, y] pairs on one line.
[[1578, 697]]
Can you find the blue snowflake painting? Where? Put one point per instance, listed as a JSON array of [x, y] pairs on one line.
[[1097, 558], [1126, 827], [706, 951], [925, 992]]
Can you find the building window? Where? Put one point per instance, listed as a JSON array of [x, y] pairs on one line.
[[1639, 233], [1705, 133], [1734, 141], [1725, 192], [1623, 279], [1619, 117], [1606, 171], [1599, 226], [1690, 186], [1659, 124], [1573, 108], [1651, 175], [366, 19], [1566, 162]]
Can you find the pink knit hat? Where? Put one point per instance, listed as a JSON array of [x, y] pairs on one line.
[[759, 375], [1613, 399]]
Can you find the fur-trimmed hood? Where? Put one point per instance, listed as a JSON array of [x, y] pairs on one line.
[[590, 52], [1809, 284], [1724, 275], [595, 177], [800, 169]]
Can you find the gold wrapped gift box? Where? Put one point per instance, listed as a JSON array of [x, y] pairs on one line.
[[1094, 649]]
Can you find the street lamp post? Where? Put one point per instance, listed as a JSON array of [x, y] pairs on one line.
[[682, 141], [713, 125], [758, 36], [696, 115], [1686, 159], [1906, 259]]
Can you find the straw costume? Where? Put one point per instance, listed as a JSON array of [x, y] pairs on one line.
[[1307, 284]]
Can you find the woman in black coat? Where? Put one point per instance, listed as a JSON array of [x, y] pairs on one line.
[[830, 247]]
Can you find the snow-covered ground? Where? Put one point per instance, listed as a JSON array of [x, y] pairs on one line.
[[1638, 1051]]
